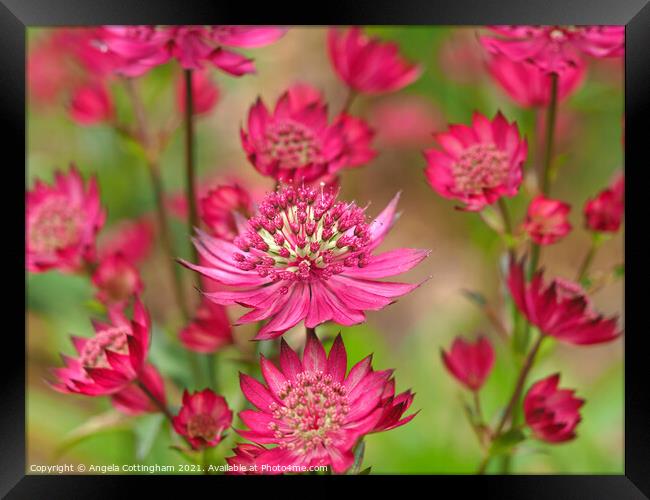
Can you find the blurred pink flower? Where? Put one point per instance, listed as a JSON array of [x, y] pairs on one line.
[[205, 93], [477, 164], [132, 400], [244, 461], [109, 361], [555, 49], [528, 85], [306, 256], [368, 64], [312, 411], [219, 206], [116, 280], [357, 137], [469, 362], [552, 413], [209, 331], [91, 104], [203, 418], [604, 213], [547, 220], [133, 239], [62, 222]]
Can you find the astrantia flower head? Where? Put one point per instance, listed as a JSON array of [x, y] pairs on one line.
[[477, 164], [91, 104], [604, 213], [547, 220], [109, 361], [552, 413], [470, 362], [218, 208], [306, 256], [555, 49], [560, 309], [203, 418], [368, 64], [133, 239], [528, 85], [62, 223], [312, 411], [116, 279], [209, 331]]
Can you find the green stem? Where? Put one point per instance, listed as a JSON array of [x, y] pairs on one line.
[[588, 259], [550, 136], [349, 99], [190, 170], [507, 227], [359, 452], [159, 404]]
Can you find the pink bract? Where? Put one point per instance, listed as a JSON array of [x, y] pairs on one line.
[[469, 362], [132, 400], [109, 361], [555, 48], [62, 222], [219, 206], [116, 280], [133, 239], [552, 413], [368, 64], [477, 164], [203, 418], [604, 212], [244, 461], [547, 220], [560, 309], [205, 93], [209, 331], [313, 412], [306, 256], [91, 104]]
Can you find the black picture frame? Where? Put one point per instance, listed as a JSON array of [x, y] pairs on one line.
[[17, 15]]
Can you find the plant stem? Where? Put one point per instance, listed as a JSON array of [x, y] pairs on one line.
[[507, 226], [190, 173], [551, 116], [359, 451], [159, 404], [588, 259], [349, 99]]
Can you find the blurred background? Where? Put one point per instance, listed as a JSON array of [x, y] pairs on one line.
[[406, 336]]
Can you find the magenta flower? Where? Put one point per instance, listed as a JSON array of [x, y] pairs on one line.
[[132, 400], [604, 213], [209, 331], [357, 137], [116, 280], [312, 411], [547, 220], [219, 206], [62, 222], [244, 462], [479, 164], [203, 418], [205, 93], [368, 64], [555, 49], [109, 361], [306, 256], [561, 309], [528, 85], [469, 363], [131, 238], [551, 413], [91, 104], [140, 48]]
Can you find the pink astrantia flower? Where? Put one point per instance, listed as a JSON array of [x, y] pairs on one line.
[[547, 220], [357, 137], [244, 461], [528, 85], [477, 164], [312, 411], [133, 239], [469, 363], [109, 361], [560, 309], [555, 48], [205, 93], [295, 141], [203, 418], [604, 213], [209, 331], [62, 222], [219, 206], [132, 400], [116, 280], [552, 413], [368, 64], [141, 48], [91, 104], [306, 256]]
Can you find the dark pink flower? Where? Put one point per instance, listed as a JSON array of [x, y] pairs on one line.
[[368, 64], [561, 309], [469, 363], [528, 85], [312, 411], [295, 141], [357, 137], [205, 93], [552, 413], [604, 213], [547, 220], [62, 223], [306, 256], [116, 280], [479, 164], [109, 361], [133, 239], [244, 462], [219, 206], [91, 104], [203, 418], [555, 48], [209, 331], [132, 400]]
